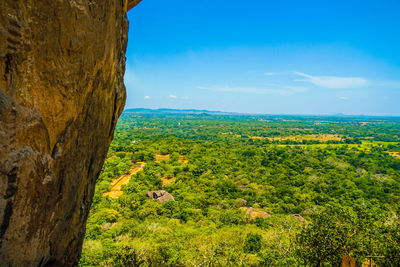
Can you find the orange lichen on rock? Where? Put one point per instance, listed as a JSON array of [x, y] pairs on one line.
[[254, 213]]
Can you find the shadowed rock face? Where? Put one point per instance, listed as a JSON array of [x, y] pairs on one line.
[[61, 92]]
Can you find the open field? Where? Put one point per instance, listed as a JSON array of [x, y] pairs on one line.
[[160, 158], [298, 138], [365, 145], [167, 157], [313, 137]]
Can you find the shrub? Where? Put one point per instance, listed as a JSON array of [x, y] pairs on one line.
[[252, 243]]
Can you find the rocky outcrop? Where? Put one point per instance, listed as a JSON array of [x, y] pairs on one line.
[[253, 213], [132, 3], [160, 196], [298, 217], [61, 91]]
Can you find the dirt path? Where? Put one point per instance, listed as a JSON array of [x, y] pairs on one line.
[[116, 191], [394, 154]]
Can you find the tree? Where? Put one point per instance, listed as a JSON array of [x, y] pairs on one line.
[[252, 243], [127, 256], [392, 252], [325, 239]]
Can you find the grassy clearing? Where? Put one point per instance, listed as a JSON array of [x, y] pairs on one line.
[[312, 137], [298, 138], [160, 158], [167, 157]]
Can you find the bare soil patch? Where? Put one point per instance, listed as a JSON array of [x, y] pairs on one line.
[[394, 154], [167, 180], [183, 159], [160, 158]]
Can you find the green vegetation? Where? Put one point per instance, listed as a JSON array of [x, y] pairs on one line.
[[340, 174]]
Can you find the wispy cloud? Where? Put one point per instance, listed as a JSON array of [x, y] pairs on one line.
[[336, 82], [173, 96], [333, 82], [147, 97], [282, 90]]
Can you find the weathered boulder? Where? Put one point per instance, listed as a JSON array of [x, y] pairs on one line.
[[298, 217], [160, 196], [61, 92], [254, 213]]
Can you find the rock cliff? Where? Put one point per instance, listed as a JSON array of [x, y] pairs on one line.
[[61, 92]]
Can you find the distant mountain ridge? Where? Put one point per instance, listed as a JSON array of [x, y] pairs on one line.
[[167, 111], [176, 111]]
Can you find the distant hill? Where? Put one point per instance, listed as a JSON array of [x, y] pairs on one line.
[[166, 111]]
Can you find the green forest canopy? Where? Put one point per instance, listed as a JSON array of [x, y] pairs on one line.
[[329, 186]]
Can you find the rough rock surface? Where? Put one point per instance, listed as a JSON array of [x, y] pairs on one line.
[[160, 196], [254, 213], [298, 217], [61, 91]]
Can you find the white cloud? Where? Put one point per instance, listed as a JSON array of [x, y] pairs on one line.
[[147, 97], [344, 97], [173, 96], [333, 82]]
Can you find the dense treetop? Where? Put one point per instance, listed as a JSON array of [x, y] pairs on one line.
[[340, 174]]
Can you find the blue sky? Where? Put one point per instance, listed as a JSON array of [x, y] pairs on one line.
[[258, 56]]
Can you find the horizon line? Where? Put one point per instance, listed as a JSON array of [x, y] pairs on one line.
[[269, 114]]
